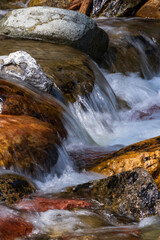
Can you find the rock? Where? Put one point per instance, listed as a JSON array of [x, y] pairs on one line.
[[55, 3], [27, 145], [131, 193], [14, 187], [59, 26], [20, 100], [112, 8], [12, 4], [143, 154], [40, 204], [72, 71], [22, 66], [13, 226], [151, 9]]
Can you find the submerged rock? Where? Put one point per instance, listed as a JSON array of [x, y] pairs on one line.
[[22, 66], [20, 100], [71, 71], [145, 154], [116, 8], [149, 10], [27, 145], [130, 193], [12, 226], [14, 187], [57, 26]]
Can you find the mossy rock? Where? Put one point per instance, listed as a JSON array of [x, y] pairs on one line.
[[14, 187]]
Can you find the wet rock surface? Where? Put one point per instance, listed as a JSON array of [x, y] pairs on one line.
[[71, 70], [149, 10], [27, 145], [14, 187], [142, 154], [55, 3], [11, 4], [57, 26], [130, 193]]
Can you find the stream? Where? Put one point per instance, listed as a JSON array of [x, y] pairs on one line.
[[123, 108]]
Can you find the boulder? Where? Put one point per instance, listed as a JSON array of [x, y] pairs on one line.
[[56, 25], [14, 187], [20, 100], [71, 71], [27, 145], [143, 154], [112, 8], [40, 204], [151, 9], [50, 3], [131, 193], [12, 226]]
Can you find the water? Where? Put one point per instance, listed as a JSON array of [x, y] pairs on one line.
[[123, 108]]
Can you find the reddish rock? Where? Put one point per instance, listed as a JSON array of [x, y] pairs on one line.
[[151, 9], [147, 113], [40, 204]]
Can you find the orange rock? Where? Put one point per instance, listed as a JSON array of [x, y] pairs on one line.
[[28, 144], [19, 100], [151, 9], [40, 204], [50, 3], [145, 154]]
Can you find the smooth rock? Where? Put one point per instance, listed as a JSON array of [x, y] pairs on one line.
[[22, 66], [116, 8], [56, 25], [40, 204], [72, 71], [14, 187], [27, 145], [20, 100], [12, 226], [131, 193], [55, 3], [151, 9], [143, 154]]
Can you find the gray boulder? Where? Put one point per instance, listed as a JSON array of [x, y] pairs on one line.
[[21, 66], [55, 25]]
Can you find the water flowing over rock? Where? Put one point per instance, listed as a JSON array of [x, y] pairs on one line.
[[27, 145], [149, 10], [58, 26], [116, 8], [71, 71], [131, 193], [14, 187], [22, 66], [143, 154], [20, 100]]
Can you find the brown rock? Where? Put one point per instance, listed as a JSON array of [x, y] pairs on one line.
[[12, 226], [145, 154], [27, 144], [50, 3], [12, 4], [14, 187], [151, 9], [19, 100], [86, 7], [40, 204], [75, 5], [70, 69]]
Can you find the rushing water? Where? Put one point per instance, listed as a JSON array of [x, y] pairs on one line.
[[123, 108]]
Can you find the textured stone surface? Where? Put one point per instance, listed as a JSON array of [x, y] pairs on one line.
[[22, 66], [115, 8], [14, 187], [58, 26], [145, 154], [20, 100], [55, 3], [71, 70], [27, 144], [12, 4], [40, 204], [151, 9], [130, 193]]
